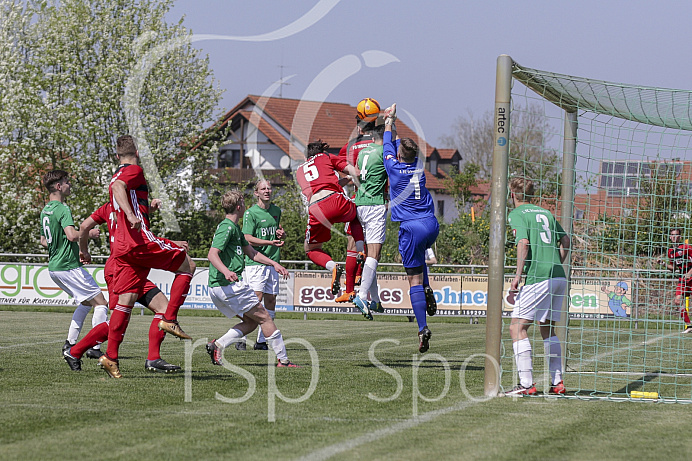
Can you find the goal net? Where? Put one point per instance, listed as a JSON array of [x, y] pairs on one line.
[[612, 162]]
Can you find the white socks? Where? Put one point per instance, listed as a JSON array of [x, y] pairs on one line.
[[522, 356], [368, 278], [260, 335], [77, 321], [330, 265], [231, 336], [554, 351], [276, 341]]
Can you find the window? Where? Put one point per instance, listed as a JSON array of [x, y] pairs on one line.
[[433, 166], [229, 158], [441, 208]]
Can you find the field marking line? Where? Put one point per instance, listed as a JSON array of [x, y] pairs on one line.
[[332, 450]]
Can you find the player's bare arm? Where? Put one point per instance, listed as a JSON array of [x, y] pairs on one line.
[[119, 189], [44, 242], [71, 233], [182, 244], [522, 253], [564, 248], [155, 204], [84, 233], [215, 260], [255, 241], [262, 259], [352, 171], [280, 233]]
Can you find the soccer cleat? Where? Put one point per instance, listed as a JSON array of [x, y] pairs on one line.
[[520, 390], [345, 297], [559, 388], [241, 345], [110, 366], [75, 364], [431, 304], [94, 353], [337, 272], [377, 307], [66, 346], [688, 329], [160, 366], [286, 364], [261, 347], [360, 258], [423, 339], [172, 327], [363, 307], [214, 352]]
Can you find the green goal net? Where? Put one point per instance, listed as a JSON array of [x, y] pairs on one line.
[[619, 188]]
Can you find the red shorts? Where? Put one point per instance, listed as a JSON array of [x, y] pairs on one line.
[[130, 271], [347, 226], [324, 213], [108, 272], [684, 288]]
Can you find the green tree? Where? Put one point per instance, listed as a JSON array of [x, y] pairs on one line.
[[67, 66], [460, 183]]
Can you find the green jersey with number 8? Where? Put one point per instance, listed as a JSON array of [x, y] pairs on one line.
[[63, 255], [229, 239], [543, 232], [373, 176]]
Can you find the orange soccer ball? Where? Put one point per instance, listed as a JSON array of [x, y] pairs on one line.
[[368, 109]]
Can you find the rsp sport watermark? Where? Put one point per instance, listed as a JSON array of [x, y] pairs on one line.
[[274, 393]]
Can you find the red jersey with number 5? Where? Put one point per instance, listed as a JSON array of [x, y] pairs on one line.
[[127, 238], [319, 173], [681, 257]]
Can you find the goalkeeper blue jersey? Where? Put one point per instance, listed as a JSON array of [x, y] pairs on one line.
[[409, 198]]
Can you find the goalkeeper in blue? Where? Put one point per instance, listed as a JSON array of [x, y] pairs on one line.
[[413, 207]]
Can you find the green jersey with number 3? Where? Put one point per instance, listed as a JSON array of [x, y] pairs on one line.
[[373, 176], [63, 255], [229, 240], [543, 232]]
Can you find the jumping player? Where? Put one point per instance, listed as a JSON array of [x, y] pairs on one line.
[[411, 205], [542, 246], [136, 250], [262, 229], [327, 205], [230, 293], [59, 235]]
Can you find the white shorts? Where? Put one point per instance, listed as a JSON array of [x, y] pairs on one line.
[[541, 301], [373, 219], [262, 278], [234, 299], [77, 283]]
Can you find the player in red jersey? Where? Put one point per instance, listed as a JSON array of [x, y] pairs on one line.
[[136, 250], [153, 299], [349, 152], [680, 261], [328, 204]]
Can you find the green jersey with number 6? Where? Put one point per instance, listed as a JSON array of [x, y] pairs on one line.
[[543, 233], [373, 176], [230, 241], [63, 255]]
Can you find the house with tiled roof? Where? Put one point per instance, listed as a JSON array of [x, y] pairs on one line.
[[270, 134]]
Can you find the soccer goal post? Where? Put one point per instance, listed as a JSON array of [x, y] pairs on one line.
[[610, 161]]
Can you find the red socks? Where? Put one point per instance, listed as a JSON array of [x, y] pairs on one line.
[[179, 289], [351, 269], [155, 338], [120, 317], [96, 335], [319, 257]]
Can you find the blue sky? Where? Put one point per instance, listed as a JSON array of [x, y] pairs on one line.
[[435, 59]]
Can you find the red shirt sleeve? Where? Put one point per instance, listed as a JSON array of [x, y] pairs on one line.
[[338, 162], [101, 215]]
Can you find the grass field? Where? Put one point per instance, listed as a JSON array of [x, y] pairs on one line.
[[50, 412]]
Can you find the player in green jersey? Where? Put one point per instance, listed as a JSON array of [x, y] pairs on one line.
[[542, 246], [59, 235], [262, 229], [230, 293], [371, 206]]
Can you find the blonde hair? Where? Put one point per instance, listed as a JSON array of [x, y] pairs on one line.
[[231, 200], [259, 182], [522, 188]]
